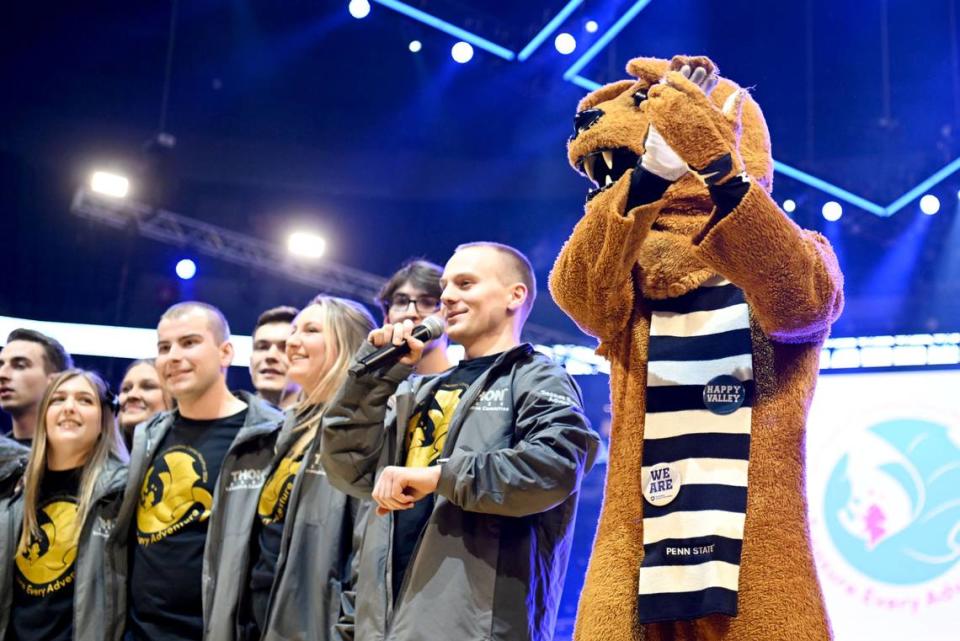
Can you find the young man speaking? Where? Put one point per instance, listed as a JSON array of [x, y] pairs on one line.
[[475, 471]]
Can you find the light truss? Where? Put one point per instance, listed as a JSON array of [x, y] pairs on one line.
[[230, 246]]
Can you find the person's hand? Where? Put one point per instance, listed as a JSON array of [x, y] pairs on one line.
[[398, 334], [398, 488]]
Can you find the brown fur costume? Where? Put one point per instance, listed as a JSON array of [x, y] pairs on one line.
[[791, 280]]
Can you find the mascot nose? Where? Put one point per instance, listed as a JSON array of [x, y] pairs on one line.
[[585, 119]]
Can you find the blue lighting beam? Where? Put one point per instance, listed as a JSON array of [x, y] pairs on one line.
[[547, 30], [446, 27], [605, 39]]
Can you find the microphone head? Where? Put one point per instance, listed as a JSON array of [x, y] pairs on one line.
[[433, 325]]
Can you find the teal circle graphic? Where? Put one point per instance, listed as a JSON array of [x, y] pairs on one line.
[[883, 539]]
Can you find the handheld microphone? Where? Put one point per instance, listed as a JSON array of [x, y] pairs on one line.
[[431, 328]]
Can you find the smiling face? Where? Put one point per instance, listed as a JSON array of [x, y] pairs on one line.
[[73, 420], [482, 296], [189, 360], [310, 350], [141, 395]]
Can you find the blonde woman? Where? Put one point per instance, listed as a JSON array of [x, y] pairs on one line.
[[62, 571], [301, 538]]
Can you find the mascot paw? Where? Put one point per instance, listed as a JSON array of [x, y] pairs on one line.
[[704, 135]]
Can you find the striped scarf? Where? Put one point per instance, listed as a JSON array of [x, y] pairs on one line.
[[695, 452]]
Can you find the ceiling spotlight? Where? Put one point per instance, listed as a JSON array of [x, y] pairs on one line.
[[415, 46], [789, 206], [591, 26], [186, 269], [929, 204], [103, 182], [565, 43], [462, 52], [306, 244], [832, 211], [359, 8]]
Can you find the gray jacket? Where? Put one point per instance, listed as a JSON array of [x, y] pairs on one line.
[[491, 560], [100, 587], [235, 498], [312, 597], [13, 461]]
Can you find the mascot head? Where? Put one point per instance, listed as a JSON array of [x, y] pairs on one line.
[[611, 125]]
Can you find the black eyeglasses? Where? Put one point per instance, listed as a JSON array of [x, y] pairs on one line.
[[425, 304]]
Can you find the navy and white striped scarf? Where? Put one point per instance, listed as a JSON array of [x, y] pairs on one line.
[[695, 453]]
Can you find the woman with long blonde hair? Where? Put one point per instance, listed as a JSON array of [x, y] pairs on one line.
[[62, 570], [303, 535]]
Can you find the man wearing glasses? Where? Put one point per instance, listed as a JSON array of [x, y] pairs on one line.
[[413, 292]]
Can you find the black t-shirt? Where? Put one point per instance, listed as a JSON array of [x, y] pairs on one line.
[[170, 530], [45, 571], [426, 436], [268, 528]]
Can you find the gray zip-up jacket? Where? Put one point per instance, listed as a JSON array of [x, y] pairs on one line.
[[13, 461], [235, 498], [312, 596], [100, 583], [491, 560]]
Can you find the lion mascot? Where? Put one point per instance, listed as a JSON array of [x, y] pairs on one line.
[[711, 306]]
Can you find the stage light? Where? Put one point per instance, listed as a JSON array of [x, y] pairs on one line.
[[591, 26], [306, 244], [415, 46], [565, 43], [929, 204], [789, 206], [108, 184], [186, 269], [359, 8], [832, 211], [462, 52]]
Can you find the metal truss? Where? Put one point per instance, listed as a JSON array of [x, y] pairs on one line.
[[217, 242]]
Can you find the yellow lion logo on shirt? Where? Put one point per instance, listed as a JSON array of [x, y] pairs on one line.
[[172, 494], [50, 556]]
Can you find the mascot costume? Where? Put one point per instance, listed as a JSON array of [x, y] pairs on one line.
[[711, 306]]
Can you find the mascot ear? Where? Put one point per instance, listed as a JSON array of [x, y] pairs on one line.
[[650, 70]]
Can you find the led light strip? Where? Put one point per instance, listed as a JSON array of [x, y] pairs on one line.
[[865, 352]]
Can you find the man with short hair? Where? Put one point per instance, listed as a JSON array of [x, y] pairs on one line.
[[28, 362], [213, 449], [268, 360], [413, 293], [475, 471]]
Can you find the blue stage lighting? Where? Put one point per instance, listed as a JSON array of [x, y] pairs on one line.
[[789, 206], [446, 27], [930, 204], [591, 26], [462, 52], [549, 28], [186, 269], [832, 211], [565, 43], [359, 8], [415, 46]]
